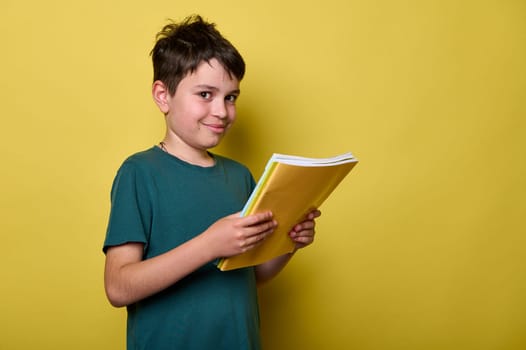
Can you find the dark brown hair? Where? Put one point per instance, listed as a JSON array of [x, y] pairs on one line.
[[181, 47]]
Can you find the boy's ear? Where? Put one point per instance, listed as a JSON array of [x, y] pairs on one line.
[[161, 96]]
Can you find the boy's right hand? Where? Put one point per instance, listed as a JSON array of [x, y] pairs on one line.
[[234, 234]]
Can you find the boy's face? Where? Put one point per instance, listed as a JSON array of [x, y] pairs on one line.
[[202, 108]]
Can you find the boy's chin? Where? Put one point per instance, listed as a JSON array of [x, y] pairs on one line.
[[214, 143]]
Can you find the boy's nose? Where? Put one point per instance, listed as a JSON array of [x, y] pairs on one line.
[[219, 109]]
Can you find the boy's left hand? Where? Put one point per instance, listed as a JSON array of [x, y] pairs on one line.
[[303, 233]]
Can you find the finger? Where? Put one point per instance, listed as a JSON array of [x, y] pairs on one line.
[[304, 239], [304, 233], [254, 219], [305, 225], [265, 227], [255, 240], [314, 214]]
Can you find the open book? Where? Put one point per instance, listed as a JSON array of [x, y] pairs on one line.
[[290, 187]]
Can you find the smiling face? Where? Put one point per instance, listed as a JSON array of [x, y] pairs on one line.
[[200, 112]]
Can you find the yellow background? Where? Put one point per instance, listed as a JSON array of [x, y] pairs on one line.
[[423, 245]]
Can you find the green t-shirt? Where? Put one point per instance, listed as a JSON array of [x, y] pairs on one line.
[[162, 201]]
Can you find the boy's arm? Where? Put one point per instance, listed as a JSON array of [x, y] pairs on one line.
[[128, 278], [302, 234]]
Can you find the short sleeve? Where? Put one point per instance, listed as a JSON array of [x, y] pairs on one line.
[[130, 214]]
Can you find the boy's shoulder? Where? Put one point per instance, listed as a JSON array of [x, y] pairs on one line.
[[142, 157], [142, 161]]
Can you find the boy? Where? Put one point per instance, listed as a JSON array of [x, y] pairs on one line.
[[175, 209]]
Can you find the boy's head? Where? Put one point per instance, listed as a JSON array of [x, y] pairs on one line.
[[181, 47]]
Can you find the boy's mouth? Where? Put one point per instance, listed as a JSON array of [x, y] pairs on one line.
[[216, 128]]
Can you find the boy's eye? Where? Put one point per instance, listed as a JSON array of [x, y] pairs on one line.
[[205, 94], [231, 98]]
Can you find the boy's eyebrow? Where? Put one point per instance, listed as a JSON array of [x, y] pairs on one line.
[[214, 88]]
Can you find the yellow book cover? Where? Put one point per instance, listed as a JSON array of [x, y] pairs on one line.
[[290, 187]]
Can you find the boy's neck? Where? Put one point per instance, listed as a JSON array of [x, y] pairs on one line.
[[194, 157]]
